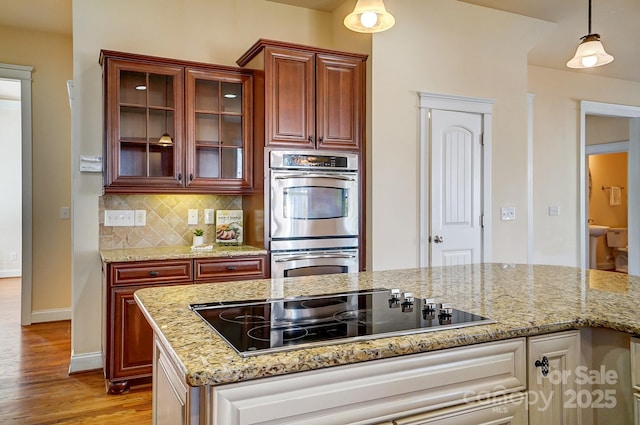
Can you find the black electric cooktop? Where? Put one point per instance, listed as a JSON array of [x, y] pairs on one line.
[[266, 326]]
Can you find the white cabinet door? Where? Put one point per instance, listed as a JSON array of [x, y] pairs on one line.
[[170, 395], [552, 398], [509, 410]]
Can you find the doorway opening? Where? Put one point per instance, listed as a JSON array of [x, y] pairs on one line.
[[21, 75], [627, 119]]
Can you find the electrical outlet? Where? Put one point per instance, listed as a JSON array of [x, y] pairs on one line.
[[208, 216], [507, 213], [119, 218], [192, 217], [140, 218]]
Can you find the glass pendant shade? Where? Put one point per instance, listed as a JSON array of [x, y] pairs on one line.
[[369, 16], [165, 140], [590, 53]]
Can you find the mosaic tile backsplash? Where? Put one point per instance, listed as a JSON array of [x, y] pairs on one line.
[[166, 219]]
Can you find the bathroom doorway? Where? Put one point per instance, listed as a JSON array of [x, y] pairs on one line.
[[608, 203], [610, 129]]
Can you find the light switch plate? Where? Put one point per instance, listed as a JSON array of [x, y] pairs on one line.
[[208, 216], [119, 218], [140, 218], [192, 217]]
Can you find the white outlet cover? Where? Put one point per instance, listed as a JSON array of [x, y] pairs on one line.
[[192, 217], [507, 213], [208, 216], [140, 218]]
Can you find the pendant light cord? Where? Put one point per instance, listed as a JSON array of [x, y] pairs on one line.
[[589, 17]]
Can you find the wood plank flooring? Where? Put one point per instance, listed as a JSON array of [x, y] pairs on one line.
[[35, 386]]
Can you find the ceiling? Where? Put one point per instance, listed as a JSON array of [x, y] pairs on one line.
[[614, 20]]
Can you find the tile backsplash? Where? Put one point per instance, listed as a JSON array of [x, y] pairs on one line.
[[166, 219]]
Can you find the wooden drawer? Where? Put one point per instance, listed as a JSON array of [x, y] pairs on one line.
[[230, 268], [152, 272]]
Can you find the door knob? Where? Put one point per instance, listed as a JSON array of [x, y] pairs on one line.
[[438, 239]]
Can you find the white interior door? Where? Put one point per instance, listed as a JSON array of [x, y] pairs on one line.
[[456, 188]]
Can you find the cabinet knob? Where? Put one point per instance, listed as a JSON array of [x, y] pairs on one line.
[[231, 267], [311, 139], [543, 365], [179, 177], [153, 273], [191, 177], [320, 139]]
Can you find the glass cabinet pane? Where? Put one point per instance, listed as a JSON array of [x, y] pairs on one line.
[[207, 128], [133, 123], [133, 159], [207, 162], [133, 87], [207, 94], [160, 161], [231, 163], [160, 123], [161, 90], [232, 130], [232, 97]]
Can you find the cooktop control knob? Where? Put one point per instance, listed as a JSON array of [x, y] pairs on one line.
[[407, 304], [446, 309], [429, 307], [394, 300]]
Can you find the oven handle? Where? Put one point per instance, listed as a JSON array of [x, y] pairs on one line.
[[313, 257], [322, 176]]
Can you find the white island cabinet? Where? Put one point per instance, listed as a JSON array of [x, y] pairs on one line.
[[474, 384]]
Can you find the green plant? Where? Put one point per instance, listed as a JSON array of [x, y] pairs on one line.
[[198, 232]]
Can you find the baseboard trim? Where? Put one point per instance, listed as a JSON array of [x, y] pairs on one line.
[[52, 315], [84, 362], [10, 273]]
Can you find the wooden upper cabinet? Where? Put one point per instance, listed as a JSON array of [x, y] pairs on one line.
[[313, 98], [175, 126]]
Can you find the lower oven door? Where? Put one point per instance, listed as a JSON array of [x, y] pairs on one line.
[[306, 263]]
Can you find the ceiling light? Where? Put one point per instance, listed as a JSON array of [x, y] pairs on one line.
[[590, 52], [141, 87], [230, 95], [369, 16]]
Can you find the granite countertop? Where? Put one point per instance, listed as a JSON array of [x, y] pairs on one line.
[[175, 252], [524, 300]]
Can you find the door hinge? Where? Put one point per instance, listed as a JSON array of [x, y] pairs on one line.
[[429, 239]]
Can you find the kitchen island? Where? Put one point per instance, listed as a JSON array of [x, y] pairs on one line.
[[524, 301]]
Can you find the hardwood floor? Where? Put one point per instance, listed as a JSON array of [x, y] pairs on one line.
[[35, 386]]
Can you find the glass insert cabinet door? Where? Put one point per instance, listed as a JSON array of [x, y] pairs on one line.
[[218, 128], [145, 124]]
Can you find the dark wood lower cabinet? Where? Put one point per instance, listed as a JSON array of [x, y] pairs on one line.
[[128, 337]]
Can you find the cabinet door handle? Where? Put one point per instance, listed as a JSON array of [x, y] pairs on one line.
[[191, 177], [231, 267], [311, 139], [179, 177], [320, 139], [543, 365], [154, 273]]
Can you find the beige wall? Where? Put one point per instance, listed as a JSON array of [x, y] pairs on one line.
[[50, 55], [556, 159], [454, 48], [216, 31]]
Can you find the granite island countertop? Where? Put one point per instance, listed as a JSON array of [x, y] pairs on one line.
[[175, 252], [524, 300]]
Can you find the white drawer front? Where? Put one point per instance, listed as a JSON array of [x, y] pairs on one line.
[[378, 390]]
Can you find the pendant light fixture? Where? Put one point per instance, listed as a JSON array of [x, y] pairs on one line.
[[590, 52], [369, 16]]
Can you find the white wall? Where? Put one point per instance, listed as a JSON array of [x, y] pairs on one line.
[[11, 188]]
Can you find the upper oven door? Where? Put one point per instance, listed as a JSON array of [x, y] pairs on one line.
[[306, 204]]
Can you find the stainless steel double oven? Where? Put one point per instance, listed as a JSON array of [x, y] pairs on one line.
[[314, 212]]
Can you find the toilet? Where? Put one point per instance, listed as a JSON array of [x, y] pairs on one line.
[[617, 241]]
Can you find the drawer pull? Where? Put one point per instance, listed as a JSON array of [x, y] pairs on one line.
[[544, 365], [231, 267], [154, 273]]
